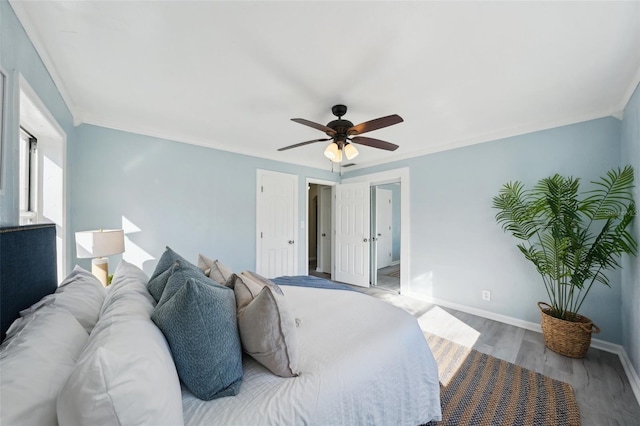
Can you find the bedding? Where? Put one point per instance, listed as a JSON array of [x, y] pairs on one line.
[[125, 375], [311, 281], [36, 358], [82, 294], [199, 322], [180, 272], [360, 360], [214, 269], [266, 323]]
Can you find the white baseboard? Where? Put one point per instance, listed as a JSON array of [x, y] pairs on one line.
[[603, 345], [632, 375], [394, 263]]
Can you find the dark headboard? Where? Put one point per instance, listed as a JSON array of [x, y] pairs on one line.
[[27, 269]]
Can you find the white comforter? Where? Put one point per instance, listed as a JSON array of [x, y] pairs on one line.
[[362, 362]]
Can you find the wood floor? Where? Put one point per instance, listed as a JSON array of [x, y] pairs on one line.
[[602, 389]]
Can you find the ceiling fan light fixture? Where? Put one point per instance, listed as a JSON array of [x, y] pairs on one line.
[[338, 158], [332, 152], [340, 130], [350, 151]]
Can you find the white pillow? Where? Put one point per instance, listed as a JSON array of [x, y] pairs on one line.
[[36, 358], [126, 280], [126, 374], [80, 293]]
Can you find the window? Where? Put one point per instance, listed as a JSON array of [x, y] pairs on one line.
[[28, 178]]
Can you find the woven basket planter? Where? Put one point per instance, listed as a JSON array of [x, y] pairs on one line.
[[568, 338]]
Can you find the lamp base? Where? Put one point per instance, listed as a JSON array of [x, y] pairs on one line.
[[100, 268]]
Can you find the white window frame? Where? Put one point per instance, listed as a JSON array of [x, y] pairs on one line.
[[52, 140]]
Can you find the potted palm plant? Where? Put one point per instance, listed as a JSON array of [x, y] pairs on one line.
[[572, 238]]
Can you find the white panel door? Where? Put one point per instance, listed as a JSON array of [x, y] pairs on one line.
[[277, 216], [352, 234], [324, 230], [383, 227]]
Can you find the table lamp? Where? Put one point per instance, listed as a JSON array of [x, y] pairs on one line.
[[97, 245]]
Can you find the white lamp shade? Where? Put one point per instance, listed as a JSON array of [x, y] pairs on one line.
[[350, 151], [92, 244], [332, 151], [338, 157]]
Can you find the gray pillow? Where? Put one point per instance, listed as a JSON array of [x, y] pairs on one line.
[[158, 279], [267, 326], [200, 325], [214, 269]]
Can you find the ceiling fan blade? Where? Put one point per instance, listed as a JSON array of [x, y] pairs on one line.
[[327, 130], [375, 124], [375, 143], [303, 144]]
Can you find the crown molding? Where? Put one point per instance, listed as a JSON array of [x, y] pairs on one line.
[[629, 92], [201, 142], [489, 137]]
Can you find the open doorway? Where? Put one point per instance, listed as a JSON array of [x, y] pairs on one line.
[[319, 229], [386, 236], [319, 248], [403, 224]]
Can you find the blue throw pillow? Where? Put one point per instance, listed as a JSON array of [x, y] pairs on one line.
[[156, 285], [166, 261], [180, 273], [163, 271], [199, 323]]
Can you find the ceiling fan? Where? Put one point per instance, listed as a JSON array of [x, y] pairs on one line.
[[343, 134]]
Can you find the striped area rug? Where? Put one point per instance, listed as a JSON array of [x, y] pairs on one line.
[[478, 389]]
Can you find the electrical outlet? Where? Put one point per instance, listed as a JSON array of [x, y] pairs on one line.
[[486, 295]]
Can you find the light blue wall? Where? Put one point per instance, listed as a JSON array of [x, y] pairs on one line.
[[631, 265], [19, 57], [395, 219], [456, 248], [194, 199]]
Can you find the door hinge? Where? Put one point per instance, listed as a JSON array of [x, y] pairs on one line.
[[261, 235], [261, 188]]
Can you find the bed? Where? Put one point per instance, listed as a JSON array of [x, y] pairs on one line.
[[359, 360]]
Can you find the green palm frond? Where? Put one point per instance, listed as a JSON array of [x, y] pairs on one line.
[[515, 212], [611, 196]]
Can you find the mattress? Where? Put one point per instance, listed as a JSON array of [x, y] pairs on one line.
[[362, 361]]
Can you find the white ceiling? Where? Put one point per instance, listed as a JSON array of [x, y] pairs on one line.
[[230, 75]]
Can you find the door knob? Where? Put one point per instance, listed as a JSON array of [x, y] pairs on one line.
[[365, 240], [379, 235], [324, 235], [290, 241]]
